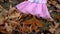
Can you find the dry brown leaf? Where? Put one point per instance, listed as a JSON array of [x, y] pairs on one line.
[[14, 24], [32, 24], [1, 20], [58, 17], [57, 31], [12, 10], [14, 15], [53, 28], [8, 28], [58, 10]]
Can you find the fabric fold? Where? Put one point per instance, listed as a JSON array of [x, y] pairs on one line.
[[38, 9]]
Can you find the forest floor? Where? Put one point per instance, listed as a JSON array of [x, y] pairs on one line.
[[14, 22]]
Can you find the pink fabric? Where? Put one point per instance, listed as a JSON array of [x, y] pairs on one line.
[[37, 9]]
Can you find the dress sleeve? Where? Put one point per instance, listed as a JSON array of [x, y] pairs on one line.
[[36, 1], [31, 0], [44, 1]]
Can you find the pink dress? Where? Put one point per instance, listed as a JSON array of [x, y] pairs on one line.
[[34, 7]]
